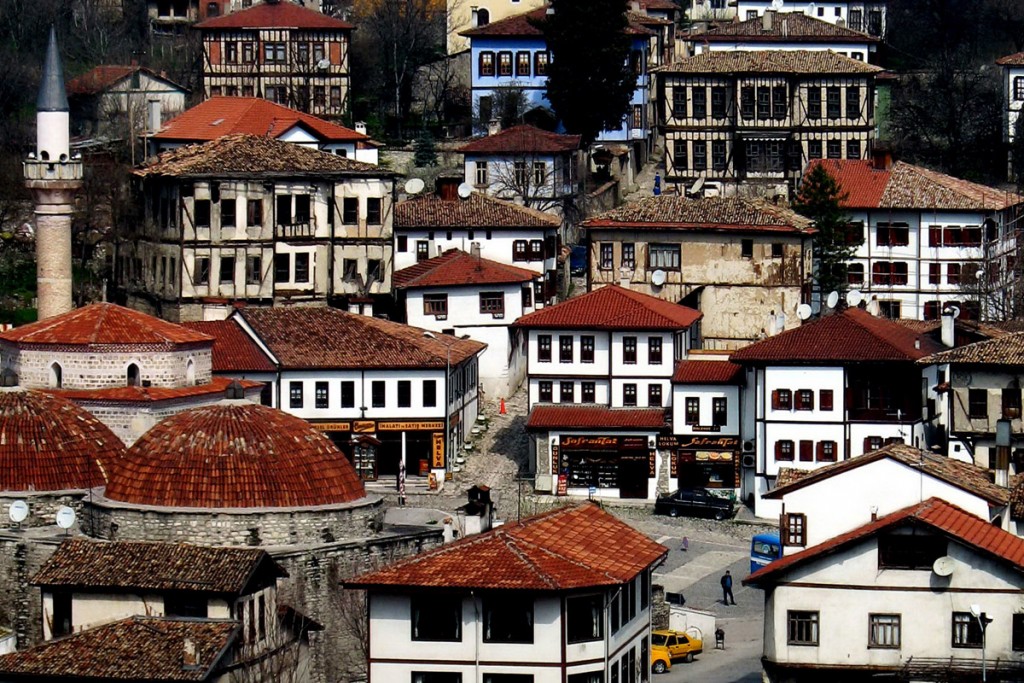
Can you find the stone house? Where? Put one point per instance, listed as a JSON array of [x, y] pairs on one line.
[[744, 263], [114, 100]]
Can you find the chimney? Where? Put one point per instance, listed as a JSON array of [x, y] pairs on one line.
[[190, 655], [474, 250], [447, 188], [948, 329], [766, 20], [155, 115], [361, 127], [785, 28], [494, 126], [881, 159]]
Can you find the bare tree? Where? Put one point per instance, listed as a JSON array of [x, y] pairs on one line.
[[538, 182]]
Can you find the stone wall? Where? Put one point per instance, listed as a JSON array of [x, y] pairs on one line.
[[21, 557], [115, 521], [83, 368]]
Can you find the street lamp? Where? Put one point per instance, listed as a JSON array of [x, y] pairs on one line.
[[447, 396], [983, 622]]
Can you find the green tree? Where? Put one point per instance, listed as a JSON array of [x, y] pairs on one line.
[[820, 199], [590, 82], [425, 150]]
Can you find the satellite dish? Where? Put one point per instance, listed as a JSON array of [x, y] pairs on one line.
[[414, 186], [65, 517], [944, 566], [18, 511], [465, 189], [811, 9], [698, 185], [323, 64], [776, 5], [658, 278], [803, 311], [832, 300], [853, 298]]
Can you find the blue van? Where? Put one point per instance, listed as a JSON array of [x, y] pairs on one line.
[[764, 549]]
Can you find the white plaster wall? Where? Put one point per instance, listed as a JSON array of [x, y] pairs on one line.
[[601, 389], [643, 368], [706, 394], [602, 355], [497, 247], [846, 49], [363, 393]]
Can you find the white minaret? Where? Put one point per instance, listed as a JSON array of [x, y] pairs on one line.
[[54, 178]]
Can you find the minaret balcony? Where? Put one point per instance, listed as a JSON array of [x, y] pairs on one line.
[[37, 169]]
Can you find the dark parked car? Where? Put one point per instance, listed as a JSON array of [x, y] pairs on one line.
[[694, 503]]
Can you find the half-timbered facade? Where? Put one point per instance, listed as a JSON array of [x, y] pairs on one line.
[[1013, 100], [754, 119], [860, 15], [281, 52], [744, 263], [256, 220]]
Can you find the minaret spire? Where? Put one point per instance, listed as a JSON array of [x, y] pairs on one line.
[[51, 91]]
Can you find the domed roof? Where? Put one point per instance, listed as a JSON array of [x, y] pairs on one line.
[[234, 454], [48, 443]]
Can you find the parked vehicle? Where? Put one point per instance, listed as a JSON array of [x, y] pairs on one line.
[[764, 549], [668, 646], [578, 260], [694, 503]]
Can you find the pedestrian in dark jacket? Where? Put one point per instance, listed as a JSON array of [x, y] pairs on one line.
[[727, 588]]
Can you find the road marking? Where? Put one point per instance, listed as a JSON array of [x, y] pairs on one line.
[[663, 539], [701, 566]]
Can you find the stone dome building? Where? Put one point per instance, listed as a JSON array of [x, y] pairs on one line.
[[234, 473]]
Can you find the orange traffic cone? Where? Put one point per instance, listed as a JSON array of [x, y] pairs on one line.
[[501, 408]]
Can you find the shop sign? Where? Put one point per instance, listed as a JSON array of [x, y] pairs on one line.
[[590, 442], [410, 426], [364, 426], [437, 459], [714, 456], [709, 442], [675, 468], [634, 442], [652, 463], [554, 460], [332, 426], [670, 441], [706, 428], [563, 485]]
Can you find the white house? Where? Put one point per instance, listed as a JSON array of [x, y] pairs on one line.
[[921, 237], [220, 116], [860, 15], [833, 388], [464, 294], [775, 30], [599, 372], [525, 601], [1013, 100], [705, 447], [907, 595], [115, 100], [821, 504], [375, 387], [429, 225]]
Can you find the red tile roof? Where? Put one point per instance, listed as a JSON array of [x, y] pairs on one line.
[[1016, 59], [786, 27], [137, 394], [769, 61], [963, 475], [520, 139], [134, 649], [456, 268], [853, 335], [234, 454], [120, 565], [103, 324], [659, 5], [477, 211], [318, 337], [233, 349], [526, 24], [1007, 349], [935, 513], [568, 548], [50, 444], [99, 78], [710, 214], [219, 116], [283, 15], [905, 186], [575, 416], [708, 372], [612, 308]]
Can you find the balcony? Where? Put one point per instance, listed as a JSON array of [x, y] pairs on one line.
[[297, 230]]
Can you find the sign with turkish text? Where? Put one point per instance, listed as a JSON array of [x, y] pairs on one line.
[[364, 426], [609, 443], [332, 426], [709, 442], [437, 452], [554, 460], [652, 462], [410, 426], [706, 428], [563, 485]]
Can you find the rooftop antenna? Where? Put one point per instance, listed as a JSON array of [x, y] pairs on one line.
[[811, 9], [465, 190], [776, 5]]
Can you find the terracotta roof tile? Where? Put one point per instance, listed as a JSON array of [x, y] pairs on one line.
[[963, 475], [318, 337], [526, 24], [523, 138], [275, 15], [103, 324], [568, 548], [719, 214], [788, 476], [853, 335], [240, 154], [233, 349], [769, 61], [134, 649], [477, 211], [1005, 350], [456, 268], [786, 27], [575, 416], [612, 308], [50, 444], [905, 186], [99, 78], [945, 518], [219, 116], [642, 19], [1016, 59], [1017, 497], [234, 454], [659, 5], [138, 394], [137, 565], [708, 372]]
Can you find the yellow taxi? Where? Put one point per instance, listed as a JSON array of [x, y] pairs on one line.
[[668, 646]]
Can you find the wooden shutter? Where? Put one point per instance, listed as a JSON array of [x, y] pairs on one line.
[[820, 450], [806, 451], [775, 401], [825, 399]]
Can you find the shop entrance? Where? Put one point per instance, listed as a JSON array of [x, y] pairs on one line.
[[633, 475]]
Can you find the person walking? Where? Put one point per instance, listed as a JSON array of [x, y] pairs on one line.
[[727, 588]]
